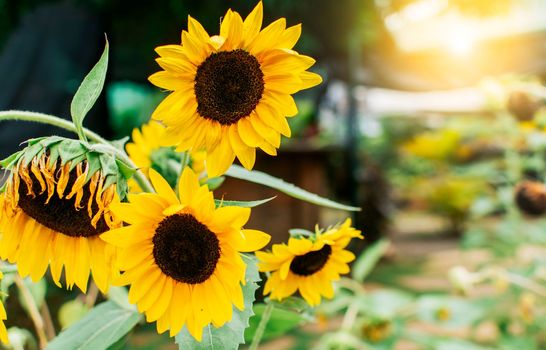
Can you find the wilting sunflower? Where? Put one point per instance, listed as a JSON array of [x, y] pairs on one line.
[[232, 92], [308, 264], [3, 317], [52, 212], [148, 150], [181, 254]]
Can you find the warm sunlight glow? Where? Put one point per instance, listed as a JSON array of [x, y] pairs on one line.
[[461, 43]]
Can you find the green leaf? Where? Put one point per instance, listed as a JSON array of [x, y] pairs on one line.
[[368, 259], [101, 327], [31, 152], [244, 204], [88, 92], [298, 232], [230, 335], [280, 323], [261, 178], [120, 296]]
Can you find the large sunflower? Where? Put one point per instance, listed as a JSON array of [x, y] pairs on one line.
[[181, 254], [52, 214], [232, 92], [308, 264]]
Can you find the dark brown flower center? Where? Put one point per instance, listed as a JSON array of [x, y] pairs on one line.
[[60, 214], [308, 264], [531, 197], [185, 249], [228, 86]]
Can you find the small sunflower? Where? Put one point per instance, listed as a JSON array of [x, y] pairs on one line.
[[52, 212], [308, 264], [181, 254], [3, 317], [231, 92], [148, 150]]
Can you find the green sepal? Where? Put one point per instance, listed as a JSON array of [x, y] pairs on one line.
[[74, 162], [120, 144], [10, 161], [3, 187], [300, 232], [93, 159], [30, 152], [125, 169], [121, 187], [70, 150]]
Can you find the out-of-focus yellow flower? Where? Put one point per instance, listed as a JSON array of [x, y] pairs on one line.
[[439, 145]]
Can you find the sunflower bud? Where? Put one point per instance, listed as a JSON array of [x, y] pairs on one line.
[[54, 206], [530, 197], [522, 105]]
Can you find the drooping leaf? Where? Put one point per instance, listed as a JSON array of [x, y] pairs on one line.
[[88, 92], [244, 204], [101, 327], [231, 335], [11, 160], [285, 187], [368, 259]]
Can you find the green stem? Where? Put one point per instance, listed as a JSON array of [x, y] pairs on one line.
[[67, 125], [261, 327]]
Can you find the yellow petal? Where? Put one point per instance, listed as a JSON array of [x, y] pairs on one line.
[[254, 240], [252, 24], [162, 187], [245, 154], [219, 159]]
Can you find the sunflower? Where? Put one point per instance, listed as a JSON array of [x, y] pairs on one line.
[[3, 317], [181, 254], [148, 149], [51, 214], [308, 264], [231, 92]]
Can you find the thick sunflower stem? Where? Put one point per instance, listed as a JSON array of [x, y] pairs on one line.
[[33, 311], [261, 326], [67, 125]]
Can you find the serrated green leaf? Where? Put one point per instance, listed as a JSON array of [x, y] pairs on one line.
[[125, 169], [101, 327], [261, 178], [88, 92], [368, 259], [230, 335], [244, 204]]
